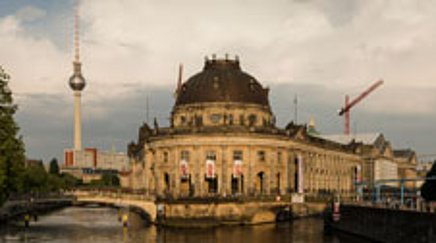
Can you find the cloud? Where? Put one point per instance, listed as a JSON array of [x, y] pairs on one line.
[[36, 65], [332, 48], [30, 13]]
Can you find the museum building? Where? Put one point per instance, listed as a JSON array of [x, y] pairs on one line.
[[223, 140]]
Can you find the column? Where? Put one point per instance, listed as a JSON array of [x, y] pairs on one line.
[[246, 161], [157, 176], [176, 172], [223, 189], [250, 183], [273, 162], [194, 155], [287, 167]]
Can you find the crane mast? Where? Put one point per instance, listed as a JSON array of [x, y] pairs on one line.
[[345, 111]]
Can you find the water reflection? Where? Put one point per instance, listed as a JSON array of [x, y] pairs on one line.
[[96, 225]]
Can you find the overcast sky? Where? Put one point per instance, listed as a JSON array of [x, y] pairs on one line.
[[319, 50]]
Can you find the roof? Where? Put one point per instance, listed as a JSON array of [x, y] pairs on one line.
[[365, 138], [404, 153], [222, 80]]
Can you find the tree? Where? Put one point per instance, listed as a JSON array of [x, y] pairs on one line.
[[11, 146], [54, 167], [34, 179], [428, 189], [69, 181], [109, 179]]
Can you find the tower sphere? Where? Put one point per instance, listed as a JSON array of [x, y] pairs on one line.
[[77, 82]]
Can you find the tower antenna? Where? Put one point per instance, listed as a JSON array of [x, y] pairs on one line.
[[76, 33], [147, 108], [77, 82], [296, 109]]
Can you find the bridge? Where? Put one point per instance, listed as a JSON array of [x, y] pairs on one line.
[[139, 203], [16, 207], [193, 211]]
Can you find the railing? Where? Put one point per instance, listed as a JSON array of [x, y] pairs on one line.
[[36, 196], [422, 206], [17, 205], [223, 199], [115, 194], [169, 198]]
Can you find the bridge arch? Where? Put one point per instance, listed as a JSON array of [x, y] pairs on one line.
[[140, 204]]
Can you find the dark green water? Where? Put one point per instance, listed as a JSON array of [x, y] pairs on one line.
[[96, 225]]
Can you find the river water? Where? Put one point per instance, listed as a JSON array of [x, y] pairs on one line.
[[95, 225]]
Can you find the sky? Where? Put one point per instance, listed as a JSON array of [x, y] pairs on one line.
[[316, 50]]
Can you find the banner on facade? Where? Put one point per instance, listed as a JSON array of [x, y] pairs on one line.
[[184, 169], [210, 168], [357, 175], [237, 168], [300, 175]]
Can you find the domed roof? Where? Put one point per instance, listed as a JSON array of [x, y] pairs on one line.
[[222, 80]]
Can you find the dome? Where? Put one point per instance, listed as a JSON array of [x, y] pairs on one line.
[[222, 80]]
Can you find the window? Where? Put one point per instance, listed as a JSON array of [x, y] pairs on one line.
[[184, 155], [198, 120], [261, 155], [183, 120], [215, 118], [210, 155], [230, 119], [237, 155], [252, 120], [241, 120], [165, 156], [279, 157]]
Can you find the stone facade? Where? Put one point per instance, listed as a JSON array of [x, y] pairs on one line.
[[382, 165], [227, 143], [407, 166]]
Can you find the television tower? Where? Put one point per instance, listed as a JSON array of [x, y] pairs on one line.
[[77, 83]]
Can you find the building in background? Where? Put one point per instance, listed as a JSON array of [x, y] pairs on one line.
[[90, 163], [407, 166], [381, 162], [423, 167]]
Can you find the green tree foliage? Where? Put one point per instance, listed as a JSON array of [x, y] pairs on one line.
[[107, 180], [110, 180], [428, 189], [11, 146], [69, 181], [34, 179], [54, 167]]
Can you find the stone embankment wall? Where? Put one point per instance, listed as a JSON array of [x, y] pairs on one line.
[[385, 224], [232, 213]]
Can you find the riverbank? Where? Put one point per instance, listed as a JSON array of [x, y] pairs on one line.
[[99, 224], [14, 210], [384, 224]]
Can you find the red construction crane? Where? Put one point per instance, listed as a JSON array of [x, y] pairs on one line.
[[348, 105]]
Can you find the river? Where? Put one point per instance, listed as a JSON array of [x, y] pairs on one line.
[[95, 225]]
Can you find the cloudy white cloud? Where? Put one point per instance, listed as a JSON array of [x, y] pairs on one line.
[[30, 13], [340, 45]]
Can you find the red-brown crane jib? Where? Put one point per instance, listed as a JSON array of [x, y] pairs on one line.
[[348, 105]]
